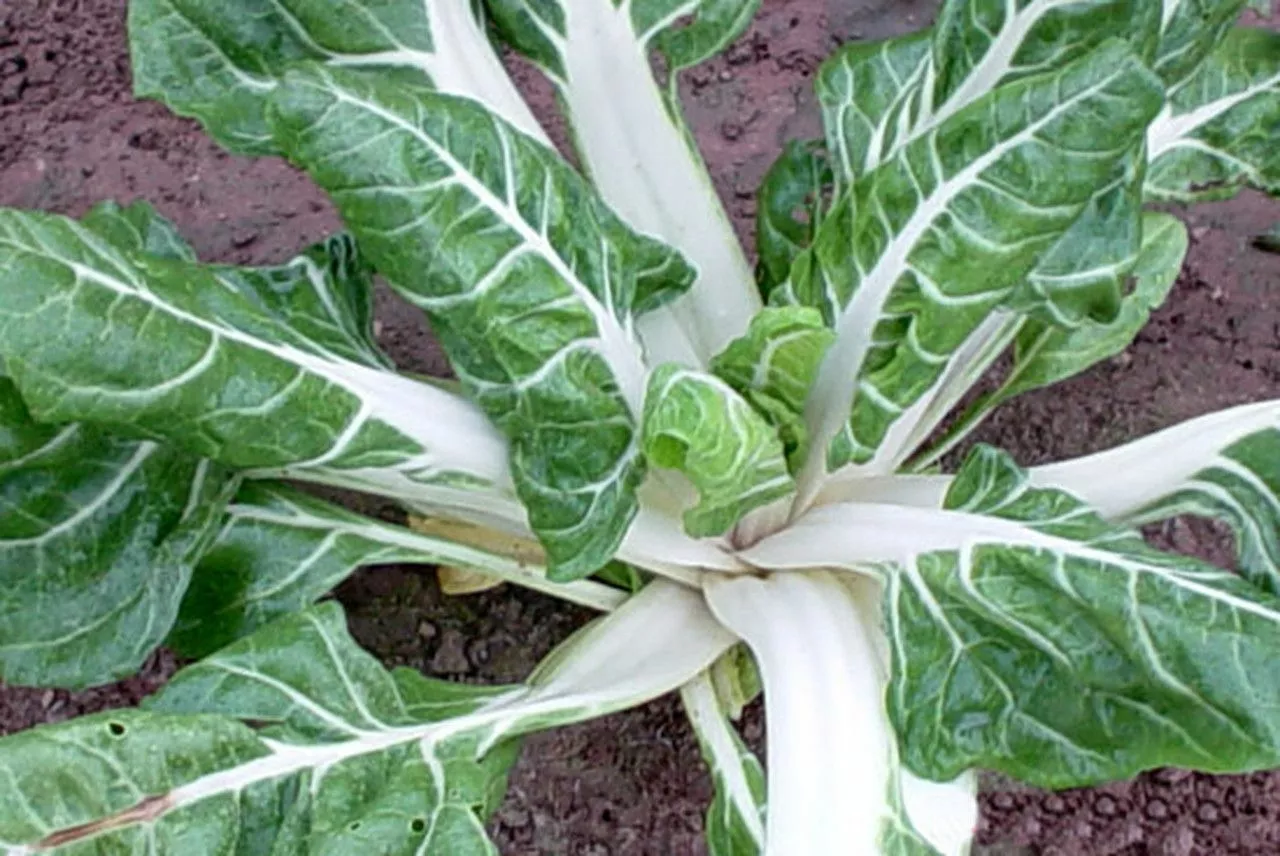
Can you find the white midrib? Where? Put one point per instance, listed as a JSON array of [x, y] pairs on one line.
[[868, 533], [1167, 130], [642, 165], [991, 69], [103, 496], [616, 345], [1121, 481], [461, 62], [583, 592], [832, 398], [471, 444]]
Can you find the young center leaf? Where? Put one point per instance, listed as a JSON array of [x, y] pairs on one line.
[[696, 424], [920, 251], [773, 366], [527, 276], [220, 61]]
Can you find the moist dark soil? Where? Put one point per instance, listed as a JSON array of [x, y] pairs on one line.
[[71, 134]]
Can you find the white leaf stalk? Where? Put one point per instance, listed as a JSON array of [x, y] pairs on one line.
[[834, 784], [642, 164]]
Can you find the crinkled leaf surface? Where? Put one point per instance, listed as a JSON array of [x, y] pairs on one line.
[[98, 537], [221, 60], [342, 756], [345, 756], [1217, 133], [922, 249], [1046, 354], [773, 367], [697, 424], [526, 275], [879, 97], [1189, 32], [202, 356], [1099, 656], [325, 294], [871, 94]]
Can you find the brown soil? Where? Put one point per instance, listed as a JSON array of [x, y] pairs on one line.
[[70, 134]]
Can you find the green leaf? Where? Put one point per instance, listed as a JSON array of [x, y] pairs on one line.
[[281, 550], [98, 537], [1217, 133], [921, 251], [1081, 279], [1223, 465], [138, 228], [526, 275], [870, 95], [792, 200], [220, 61], [345, 756], [1190, 31], [208, 358], [325, 294], [1046, 354], [697, 424], [880, 97], [342, 757], [1141, 658], [639, 154], [877, 97], [1032, 637], [774, 365], [979, 44], [686, 36]]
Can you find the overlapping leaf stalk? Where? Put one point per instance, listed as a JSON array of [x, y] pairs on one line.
[[721, 463]]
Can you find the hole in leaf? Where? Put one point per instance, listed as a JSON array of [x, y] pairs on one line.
[[117, 729], [418, 825], [354, 827]]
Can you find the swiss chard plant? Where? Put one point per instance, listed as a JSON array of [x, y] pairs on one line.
[[740, 467]]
